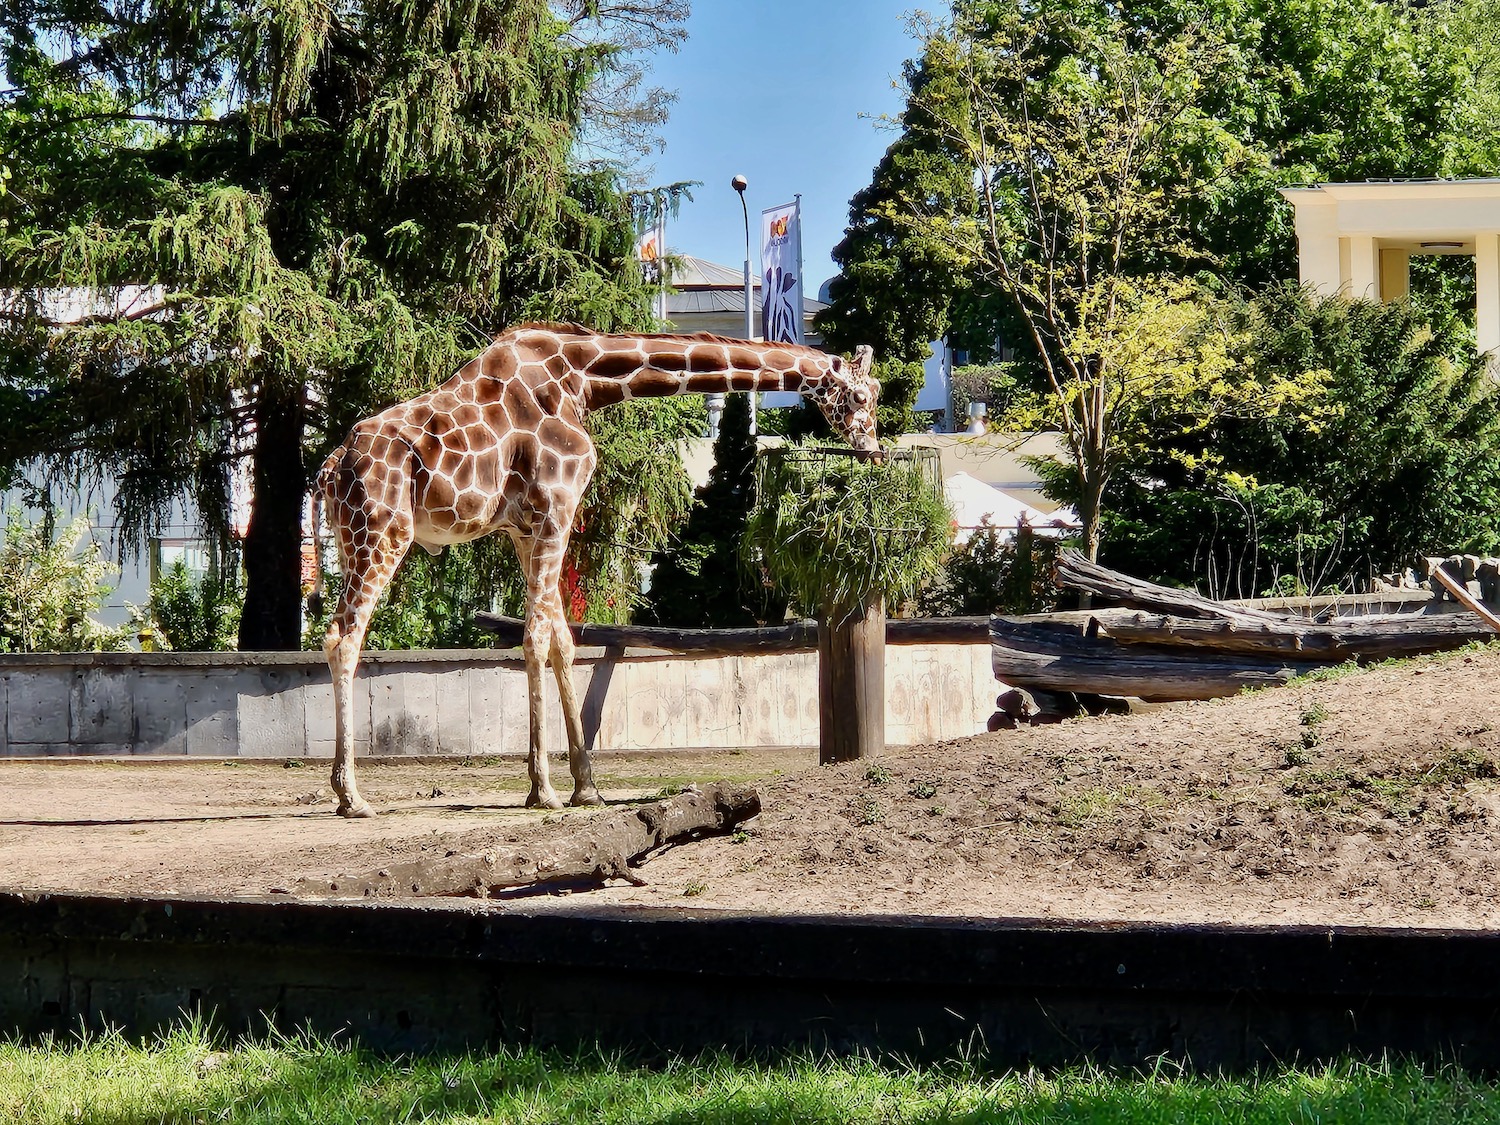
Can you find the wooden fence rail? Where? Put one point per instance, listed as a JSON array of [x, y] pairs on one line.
[[795, 636]]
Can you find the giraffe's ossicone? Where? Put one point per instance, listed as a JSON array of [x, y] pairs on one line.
[[504, 445]]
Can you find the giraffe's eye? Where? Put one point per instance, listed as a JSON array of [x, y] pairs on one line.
[[860, 396]]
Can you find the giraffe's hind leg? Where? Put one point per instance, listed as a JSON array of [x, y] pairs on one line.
[[372, 543]]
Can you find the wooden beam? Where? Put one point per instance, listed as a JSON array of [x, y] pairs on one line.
[[1464, 598], [1406, 634], [795, 636]]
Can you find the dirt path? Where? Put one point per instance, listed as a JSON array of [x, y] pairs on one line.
[[1366, 799]]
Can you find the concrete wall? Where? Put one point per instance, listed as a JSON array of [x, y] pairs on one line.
[[1021, 993], [458, 702]]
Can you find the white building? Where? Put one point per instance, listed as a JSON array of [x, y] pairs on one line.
[[1358, 239]]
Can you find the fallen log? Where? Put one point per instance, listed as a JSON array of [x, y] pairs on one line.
[[1064, 658], [795, 636], [1370, 638], [595, 848], [1076, 572]]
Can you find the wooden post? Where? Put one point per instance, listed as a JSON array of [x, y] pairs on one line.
[[851, 682]]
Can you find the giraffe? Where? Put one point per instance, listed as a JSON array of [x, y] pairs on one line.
[[502, 445]]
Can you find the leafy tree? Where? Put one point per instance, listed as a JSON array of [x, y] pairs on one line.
[[51, 587], [289, 215], [702, 579], [1116, 144], [621, 112], [1395, 453]]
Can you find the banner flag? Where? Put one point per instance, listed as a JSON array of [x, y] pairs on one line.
[[651, 250], [648, 250], [781, 285], [781, 273]]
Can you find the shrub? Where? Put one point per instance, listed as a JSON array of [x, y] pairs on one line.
[[51, 587], [195, 614], [987, 574]]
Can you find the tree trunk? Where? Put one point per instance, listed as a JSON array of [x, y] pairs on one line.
[[851, 682], [1058, 658], [586, 848], [272, 616], [1078, 573]]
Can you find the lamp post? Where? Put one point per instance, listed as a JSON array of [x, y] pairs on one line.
[[716, 402]]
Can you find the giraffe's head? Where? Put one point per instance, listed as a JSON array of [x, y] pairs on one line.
[[846, 395]]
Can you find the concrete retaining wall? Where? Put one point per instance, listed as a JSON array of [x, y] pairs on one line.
[[458, 702], [1012, 992]]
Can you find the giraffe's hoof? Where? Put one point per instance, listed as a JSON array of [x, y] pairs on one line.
[[543, 800], [589, 796], [356, 810]]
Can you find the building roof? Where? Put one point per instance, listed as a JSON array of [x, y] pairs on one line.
[[702, 287]]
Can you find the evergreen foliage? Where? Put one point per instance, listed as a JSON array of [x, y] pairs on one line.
[[701, 579], [283, 217]]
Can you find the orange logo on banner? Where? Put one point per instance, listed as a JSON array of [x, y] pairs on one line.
[[779, 225]]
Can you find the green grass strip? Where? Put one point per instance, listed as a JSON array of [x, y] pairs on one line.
[[186, 1078]]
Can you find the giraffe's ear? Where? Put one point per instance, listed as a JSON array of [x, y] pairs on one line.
[[864, 359]]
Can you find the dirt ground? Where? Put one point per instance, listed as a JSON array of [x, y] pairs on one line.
[[1369, 798]]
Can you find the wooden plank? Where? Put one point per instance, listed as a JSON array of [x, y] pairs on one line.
[[1464, 598]]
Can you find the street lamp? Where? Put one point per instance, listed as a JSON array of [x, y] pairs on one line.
[[739, 183]]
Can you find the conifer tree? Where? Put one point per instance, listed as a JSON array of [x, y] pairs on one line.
[[280, 217], [702, 579]]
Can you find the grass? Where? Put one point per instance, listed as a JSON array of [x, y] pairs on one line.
[[185, 1078], [1085, 806], [1336, 672], [1401, 793]]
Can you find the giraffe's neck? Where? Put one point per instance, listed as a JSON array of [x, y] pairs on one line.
[[661, 366]]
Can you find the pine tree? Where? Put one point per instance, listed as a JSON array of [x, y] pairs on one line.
[[284, 216], [702, 580]]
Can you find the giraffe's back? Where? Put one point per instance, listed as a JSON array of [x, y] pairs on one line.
[[500, 444]]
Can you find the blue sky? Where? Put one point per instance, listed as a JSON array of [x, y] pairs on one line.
[[776, 90]]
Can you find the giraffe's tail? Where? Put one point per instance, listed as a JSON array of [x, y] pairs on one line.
[[321, 494]]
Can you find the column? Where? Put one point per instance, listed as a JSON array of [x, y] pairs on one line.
[[1363, 278], [1317, 242], [1487, 291], [1395, 274]]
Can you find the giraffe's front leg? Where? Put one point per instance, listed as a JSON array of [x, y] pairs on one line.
[[584, 791], [535, 644]]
